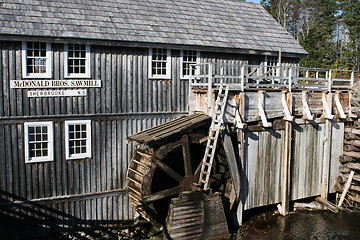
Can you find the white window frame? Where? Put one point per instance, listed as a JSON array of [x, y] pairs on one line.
[[70, 156], [197, 70], [50, 156], [48, 73], [87, 64], [168, 65]]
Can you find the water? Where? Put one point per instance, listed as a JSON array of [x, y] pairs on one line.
[[302, 225]]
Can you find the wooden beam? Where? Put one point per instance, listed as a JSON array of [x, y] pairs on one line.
[[286, 109], [162, 194], [169, 171], [285, 194], [339, 106], [262, 114], [186, 155], [238, 120], [326, 159], [231, 159], [346, 189], [306, 110], [327, 105]]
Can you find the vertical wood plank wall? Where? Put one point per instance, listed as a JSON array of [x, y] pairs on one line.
[[92, 190], [262, 163]]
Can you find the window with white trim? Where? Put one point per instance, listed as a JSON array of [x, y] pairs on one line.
[[36, 60], [159, 63], [78, 139], [77, 60], [38, 142], [188, 57]]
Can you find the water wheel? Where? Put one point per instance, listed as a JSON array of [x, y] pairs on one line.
[[158, 174]]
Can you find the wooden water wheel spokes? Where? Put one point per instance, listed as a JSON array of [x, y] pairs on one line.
[[157, 176]]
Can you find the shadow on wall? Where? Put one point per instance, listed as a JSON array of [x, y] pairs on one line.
[[24, 219]]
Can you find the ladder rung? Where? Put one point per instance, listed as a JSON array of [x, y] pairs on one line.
[[204, 172], [221, 95]]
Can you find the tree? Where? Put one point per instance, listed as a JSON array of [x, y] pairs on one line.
[[312, 23], [350, 16], [317, 33]]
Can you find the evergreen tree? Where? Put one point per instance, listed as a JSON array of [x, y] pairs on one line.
[[317, 36], [350, 13]]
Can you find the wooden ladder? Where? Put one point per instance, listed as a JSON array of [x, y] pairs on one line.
[[215, 128]]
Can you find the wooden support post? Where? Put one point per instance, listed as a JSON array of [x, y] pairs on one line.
[[262, 110], [241, 147], [306, 110], [327, 150], [240, 162], [327, 105], [339, 106], [231, 159], [209, 97], [330, 81], [347, 186], [242, 77], [239, 120], [285, 186], [286, 109]]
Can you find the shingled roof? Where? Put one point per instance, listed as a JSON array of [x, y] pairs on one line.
[[224, 24]]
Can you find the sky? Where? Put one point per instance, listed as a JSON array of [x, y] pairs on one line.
[[255, 1]]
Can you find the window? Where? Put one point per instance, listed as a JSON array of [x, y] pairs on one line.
[[38, 142], [188, 57], [78, 139], [36, 60], [270, 65], [160, 63], [77, 60]]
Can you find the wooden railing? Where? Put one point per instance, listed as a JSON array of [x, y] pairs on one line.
[[243, 77]]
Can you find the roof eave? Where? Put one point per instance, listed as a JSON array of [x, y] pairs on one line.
[[120, 43]]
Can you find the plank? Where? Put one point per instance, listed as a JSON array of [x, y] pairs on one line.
[[346, 188], [232, 162]]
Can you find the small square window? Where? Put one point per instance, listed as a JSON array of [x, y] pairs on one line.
[[160, 63], [38, 142], [77, 61], [188, 58], [78, 139], [36, 60]]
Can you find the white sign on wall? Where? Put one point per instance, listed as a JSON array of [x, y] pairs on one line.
[[58, 93], [55, 83]]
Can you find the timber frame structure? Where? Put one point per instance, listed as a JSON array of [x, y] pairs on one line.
[[114, 68], [288, 123], [260, 96]]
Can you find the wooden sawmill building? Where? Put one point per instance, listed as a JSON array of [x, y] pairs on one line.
[[78, 76]]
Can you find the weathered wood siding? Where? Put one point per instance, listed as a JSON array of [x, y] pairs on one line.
[[262, 168], [125, 85], [263, 163], [86, 191], [307, 162], [91, 190]]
